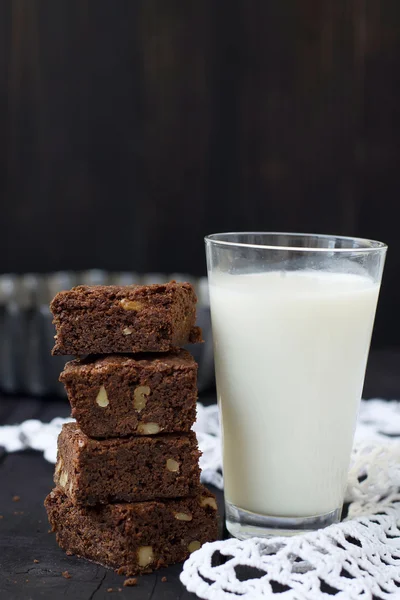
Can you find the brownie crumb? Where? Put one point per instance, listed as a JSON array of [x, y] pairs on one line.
[[109, 589], [130, 319], [164, 579], [18, 512], [35, 560], [69, 553], [130, 582], [16, 499], [1, 517], [79, 527], [168, 398], [66, 575], [118, 460], [120, 589]]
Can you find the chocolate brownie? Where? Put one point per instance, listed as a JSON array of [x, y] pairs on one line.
[[129, 469], [136, 318], [134, 538], [121, 395]]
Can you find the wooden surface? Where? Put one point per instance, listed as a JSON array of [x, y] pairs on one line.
[[24, 533], [24, 528]]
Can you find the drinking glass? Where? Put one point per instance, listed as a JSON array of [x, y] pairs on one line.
[[292, 318]]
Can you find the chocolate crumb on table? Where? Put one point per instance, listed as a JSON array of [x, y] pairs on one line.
[[127, 319], [120, 395], [130, 582], [35, 560], [163, 579], [66, 575], [129, 469], [16, 499], [137, 537]]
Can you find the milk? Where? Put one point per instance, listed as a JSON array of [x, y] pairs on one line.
[[290, 354]]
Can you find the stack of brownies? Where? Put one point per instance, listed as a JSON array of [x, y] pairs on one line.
[[128, 491]]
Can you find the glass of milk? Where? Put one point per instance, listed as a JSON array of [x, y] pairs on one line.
[[292, 318]]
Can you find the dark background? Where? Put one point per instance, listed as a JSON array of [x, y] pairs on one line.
[[129, 129]]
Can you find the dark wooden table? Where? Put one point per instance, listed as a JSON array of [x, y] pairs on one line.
[[24, 528], [24, 535]]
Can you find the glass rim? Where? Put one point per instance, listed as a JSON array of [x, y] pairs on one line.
[[366, 245]]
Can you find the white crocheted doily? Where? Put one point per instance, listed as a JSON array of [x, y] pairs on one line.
[[357, 559]]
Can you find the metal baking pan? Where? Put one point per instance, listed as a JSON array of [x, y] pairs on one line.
[[27, 332]]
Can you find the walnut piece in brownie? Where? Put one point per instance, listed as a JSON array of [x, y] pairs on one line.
[[117, 319], [129, 469], [120, 395], [134, 538]]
